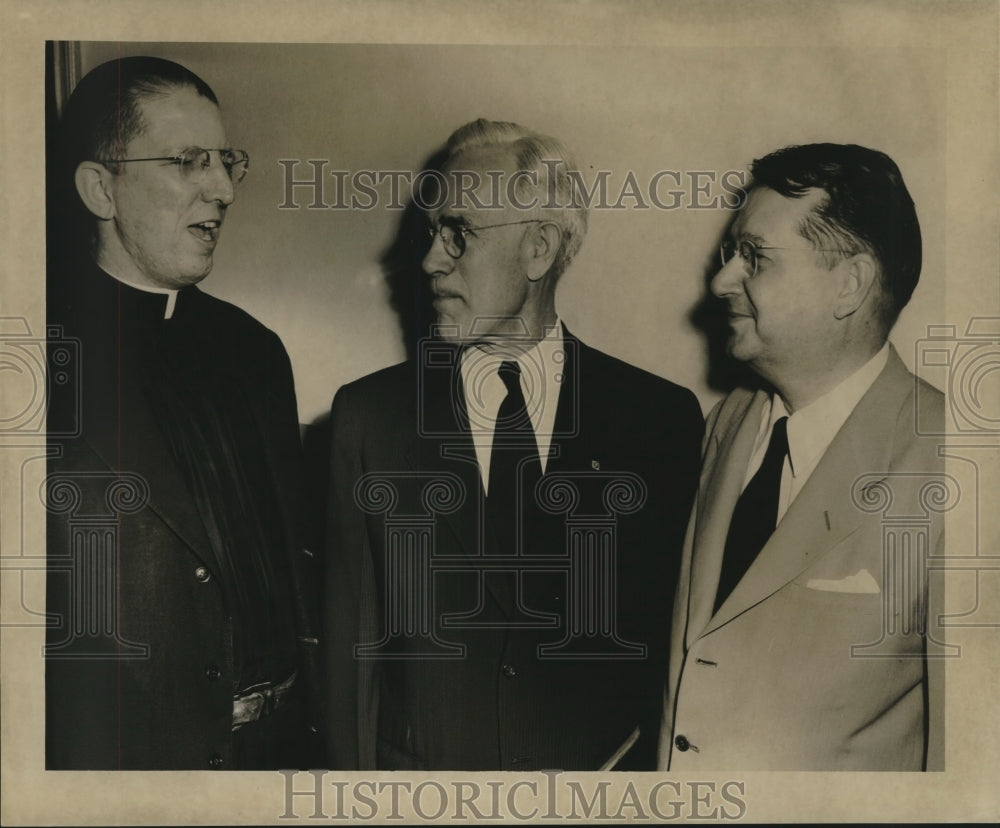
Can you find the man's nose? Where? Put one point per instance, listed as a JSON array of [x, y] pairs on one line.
[[729, 279], [216, 183], [437, 259]]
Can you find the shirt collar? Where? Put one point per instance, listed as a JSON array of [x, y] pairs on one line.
[[528, 359], [811, 429], [540, 376], [171, 295]]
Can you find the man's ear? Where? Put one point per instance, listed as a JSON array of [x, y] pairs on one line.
[[858, 277], [543, 245], [93, 183]]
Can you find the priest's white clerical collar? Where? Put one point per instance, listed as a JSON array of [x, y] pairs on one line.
[[170, 294]]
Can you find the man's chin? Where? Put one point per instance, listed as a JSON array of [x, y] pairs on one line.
[[194, 280], [192, 277], [738, 350]]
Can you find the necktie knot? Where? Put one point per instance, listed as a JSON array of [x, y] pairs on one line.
[[513, 417], [510, 375], [777, 448]]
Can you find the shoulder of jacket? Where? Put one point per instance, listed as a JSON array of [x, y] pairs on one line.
[[627, 377], [729, 410], [392, 385]]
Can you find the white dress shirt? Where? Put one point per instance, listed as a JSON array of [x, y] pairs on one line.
[[811, 429], [542, 367]]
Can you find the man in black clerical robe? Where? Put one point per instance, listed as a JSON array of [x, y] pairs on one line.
[[180, 635]]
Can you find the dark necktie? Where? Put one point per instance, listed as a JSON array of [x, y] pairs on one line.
[[514, 464], [755, 515]]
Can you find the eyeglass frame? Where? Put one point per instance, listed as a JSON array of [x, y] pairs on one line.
[[459, 230], [179, 160], [756, 247]]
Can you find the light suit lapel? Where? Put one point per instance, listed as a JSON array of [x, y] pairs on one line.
[[823, 513], [727, 455]]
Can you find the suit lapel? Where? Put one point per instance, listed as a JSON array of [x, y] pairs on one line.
[[824, 512], [726, 458], [566, 426], [443, 443]]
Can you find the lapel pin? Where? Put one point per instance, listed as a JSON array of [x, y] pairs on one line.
[[595, 465]]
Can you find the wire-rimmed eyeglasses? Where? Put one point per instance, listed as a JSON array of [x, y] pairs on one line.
[[194, 162], [453, 235], [747, 252]]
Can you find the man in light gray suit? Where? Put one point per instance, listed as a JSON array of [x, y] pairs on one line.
[[800, 635]]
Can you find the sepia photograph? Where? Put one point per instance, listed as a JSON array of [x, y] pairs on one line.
[[496, 412]]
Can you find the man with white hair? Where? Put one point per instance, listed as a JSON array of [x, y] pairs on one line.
[[507, 509]]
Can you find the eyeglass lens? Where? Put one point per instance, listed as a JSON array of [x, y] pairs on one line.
[[196, 161], [452, 238], [746, 251]]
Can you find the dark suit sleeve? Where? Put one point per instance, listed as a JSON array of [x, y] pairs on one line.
[[81, 691], [680, 430], [284, 448], [689, 430], [350, 599]]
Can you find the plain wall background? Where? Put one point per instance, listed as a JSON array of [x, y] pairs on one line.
[[314, 276], [873, 57]]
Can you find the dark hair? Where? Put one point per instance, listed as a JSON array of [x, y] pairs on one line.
[[101, 117], [104, 113], [867, 209]]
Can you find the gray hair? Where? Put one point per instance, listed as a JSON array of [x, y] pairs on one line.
[[549, 162]]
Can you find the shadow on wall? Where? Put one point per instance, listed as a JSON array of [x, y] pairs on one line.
[[410, 297], [409, 288]]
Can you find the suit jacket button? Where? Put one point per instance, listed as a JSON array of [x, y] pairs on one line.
[[509, 671], [682, 743], [215, 762], [212, 673], [202, 574]]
